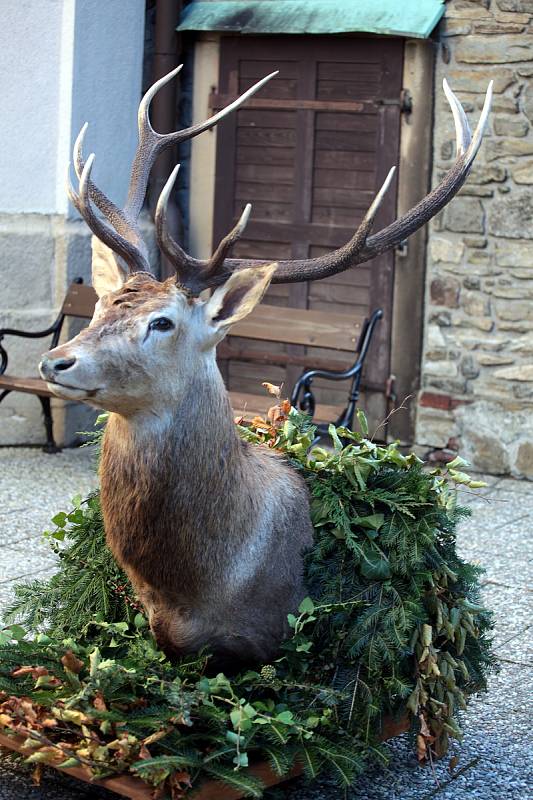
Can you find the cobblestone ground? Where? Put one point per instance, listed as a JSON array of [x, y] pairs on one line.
[[495, 758]]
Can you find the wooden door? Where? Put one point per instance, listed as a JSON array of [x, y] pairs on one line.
[[309, 153]]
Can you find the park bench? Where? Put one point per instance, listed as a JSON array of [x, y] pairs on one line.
[[344, 333]]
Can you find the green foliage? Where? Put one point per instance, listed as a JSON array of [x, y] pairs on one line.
[[392, 625]]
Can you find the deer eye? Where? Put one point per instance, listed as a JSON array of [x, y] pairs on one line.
[[161, 324]]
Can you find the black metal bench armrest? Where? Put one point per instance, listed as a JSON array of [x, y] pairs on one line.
[[54, 329], [303, 385]]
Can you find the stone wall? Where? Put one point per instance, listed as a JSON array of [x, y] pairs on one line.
[[477, 371]]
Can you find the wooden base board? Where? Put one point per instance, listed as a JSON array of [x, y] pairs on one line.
[[135, 789]]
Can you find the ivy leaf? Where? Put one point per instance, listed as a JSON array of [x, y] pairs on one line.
[[362, 420], [306, 606], [375, 565]]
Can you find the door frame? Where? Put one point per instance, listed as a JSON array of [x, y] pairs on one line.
[[415, 169]]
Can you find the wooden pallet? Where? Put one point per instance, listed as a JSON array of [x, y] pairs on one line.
[[135, 789]]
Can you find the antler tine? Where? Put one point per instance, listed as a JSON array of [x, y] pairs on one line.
[[127, 238], [102, 229], [151, 143], [360, 249], [194, 273]]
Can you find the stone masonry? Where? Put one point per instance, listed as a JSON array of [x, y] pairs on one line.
[[477, 371]]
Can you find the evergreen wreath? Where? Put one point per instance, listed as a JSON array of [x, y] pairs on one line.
[[392, 627]]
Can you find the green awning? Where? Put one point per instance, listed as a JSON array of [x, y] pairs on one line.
[[411, 18]]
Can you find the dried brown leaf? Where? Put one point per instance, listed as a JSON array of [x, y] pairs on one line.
[[272, 389], [72, 663]]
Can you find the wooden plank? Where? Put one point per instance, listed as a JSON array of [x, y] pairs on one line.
[[346, 140], [354, 90], [135, 789], [26, 385], [345, 159], [230, 350], [346, 122], [266, 119], [300, 326], [343, 198], [270, 137], [269, 211], [80, 301], [219, 101], [360, 180], [276, 156], [360, 68], [260, 173], [278, 88]]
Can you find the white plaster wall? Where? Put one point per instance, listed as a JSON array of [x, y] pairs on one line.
[[30, 50], [64, 62]]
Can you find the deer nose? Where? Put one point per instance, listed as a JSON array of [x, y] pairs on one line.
[[49, 366]]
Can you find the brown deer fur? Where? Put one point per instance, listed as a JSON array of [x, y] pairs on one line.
[[210, 529]]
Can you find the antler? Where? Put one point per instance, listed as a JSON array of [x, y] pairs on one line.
[[200, 274], [118, 228]]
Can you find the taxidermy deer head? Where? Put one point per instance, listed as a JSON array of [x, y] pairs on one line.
[[210, 530]]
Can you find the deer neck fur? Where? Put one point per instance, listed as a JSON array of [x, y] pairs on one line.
[[171, 480]]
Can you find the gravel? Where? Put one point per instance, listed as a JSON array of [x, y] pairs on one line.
[[495, 758]]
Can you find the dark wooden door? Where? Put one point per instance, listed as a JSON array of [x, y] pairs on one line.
[[309, 153]]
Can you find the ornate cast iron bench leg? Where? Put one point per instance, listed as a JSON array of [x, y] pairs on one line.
[[50, 446], [302, 396]]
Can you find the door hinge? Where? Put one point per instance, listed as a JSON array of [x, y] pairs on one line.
[[406, 101]]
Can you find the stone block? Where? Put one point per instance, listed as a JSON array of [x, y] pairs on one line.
[[475, 304], [524, 459], [519, 6], [441, 368], [496, 149], [504, 49], [434, 427], [486, 452], [501, 104], [510, 217], [523, 173], [514, 311], [435, 337], [465, 80], [485, 173], [475, 241], [490, 360], [465, 215], [522, 373], [496, 28], [471, 282], [480, 323], [514, 254], [444, 291], [507, 126], [28, 259], [447, 250], [469, 367], [527, 101]]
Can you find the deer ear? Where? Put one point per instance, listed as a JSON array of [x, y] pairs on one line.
[[107, 273], [238, 296]]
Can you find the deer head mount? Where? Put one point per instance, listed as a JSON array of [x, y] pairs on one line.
[[211, 530]]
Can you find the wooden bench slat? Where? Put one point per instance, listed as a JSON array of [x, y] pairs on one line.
[[27, 385], [80, 301], [251, 405], [301, 326]]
